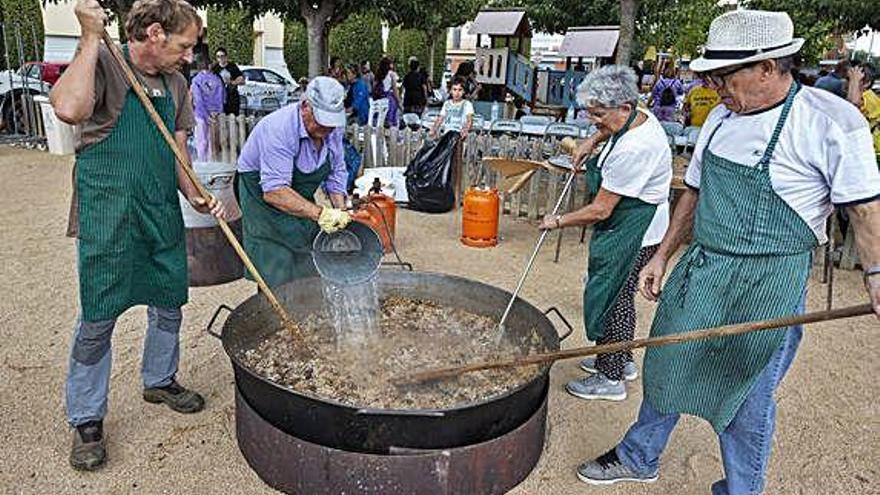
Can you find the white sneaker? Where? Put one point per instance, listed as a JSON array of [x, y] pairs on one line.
[[630, 370]]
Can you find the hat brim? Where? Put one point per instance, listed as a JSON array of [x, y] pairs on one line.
[[705, 64], [329, 119]]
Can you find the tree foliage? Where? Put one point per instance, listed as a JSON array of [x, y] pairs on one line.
[[296, 48], [22, 20], [404, 43], [232, 28], [432, 17], [358, 38]]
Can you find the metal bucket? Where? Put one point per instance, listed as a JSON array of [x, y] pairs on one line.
[[209, 255]]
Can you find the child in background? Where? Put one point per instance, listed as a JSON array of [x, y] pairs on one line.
[[208, 95], [457, 113]]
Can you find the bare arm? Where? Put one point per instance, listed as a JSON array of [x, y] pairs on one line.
[[73, 96], [599, 209], [681, 224], [337, 200], [854, 89], [290, 202], [865, 220]]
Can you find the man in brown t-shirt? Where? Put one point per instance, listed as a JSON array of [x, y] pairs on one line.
[[125, 212]]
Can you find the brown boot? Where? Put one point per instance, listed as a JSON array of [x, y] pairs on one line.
[[178, 398], [88, 452]]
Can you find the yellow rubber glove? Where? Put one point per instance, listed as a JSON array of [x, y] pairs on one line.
[[333, 219]]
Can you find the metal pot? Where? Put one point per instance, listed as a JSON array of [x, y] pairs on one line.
[[380, 431]]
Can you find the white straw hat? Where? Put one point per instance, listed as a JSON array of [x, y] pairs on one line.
[[744, 36]]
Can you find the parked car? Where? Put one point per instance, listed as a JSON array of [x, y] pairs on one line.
[[265, 89], [49, 72], [29, 79]]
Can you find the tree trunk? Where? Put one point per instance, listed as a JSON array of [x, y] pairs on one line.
[[432, 48], [317, 43], [317, 30], [628, 10]]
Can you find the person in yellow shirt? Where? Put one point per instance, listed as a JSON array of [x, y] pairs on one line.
[[861, 79], [699, 101]]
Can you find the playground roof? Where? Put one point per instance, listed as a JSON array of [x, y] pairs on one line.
[[501, 22], [591, 41]]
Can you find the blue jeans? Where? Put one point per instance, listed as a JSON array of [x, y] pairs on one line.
[[88, 377], [745, 444]]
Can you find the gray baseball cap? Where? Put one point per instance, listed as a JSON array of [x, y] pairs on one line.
[[327, 99]]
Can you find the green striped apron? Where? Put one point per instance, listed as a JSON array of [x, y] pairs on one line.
[[132, 244], [279, 244], [750, 260], [614, 245]]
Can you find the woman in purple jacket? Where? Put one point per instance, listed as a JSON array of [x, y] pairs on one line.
[[208, 96]]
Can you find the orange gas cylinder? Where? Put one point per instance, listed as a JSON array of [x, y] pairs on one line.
[[379, 212], [479, 217]]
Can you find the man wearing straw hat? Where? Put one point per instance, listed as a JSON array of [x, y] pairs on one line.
[[125, 213], [769, 165]]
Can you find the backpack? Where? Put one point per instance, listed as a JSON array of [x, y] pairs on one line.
[[667, 96]]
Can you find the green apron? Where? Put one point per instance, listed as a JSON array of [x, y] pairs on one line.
[[132, 244], [279, 244], [614, 245], [750, 260]]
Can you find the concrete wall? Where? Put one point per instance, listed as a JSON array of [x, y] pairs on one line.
[[62, 34]]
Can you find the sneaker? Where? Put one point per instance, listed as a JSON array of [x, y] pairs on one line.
[[88, 452], [630, 370], [597, 386], [607, 470], [178, 398]]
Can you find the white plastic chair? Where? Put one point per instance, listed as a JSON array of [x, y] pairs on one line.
[[506, 125], [411, 120], [559, 129], [692, 133], [535, 120], [378, 110]]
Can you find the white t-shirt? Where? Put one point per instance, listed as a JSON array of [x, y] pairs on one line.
[[825, 154], [455, 114], [390, 80], [641, 167]]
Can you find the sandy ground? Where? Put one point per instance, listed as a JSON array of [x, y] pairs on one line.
[[828, 439]]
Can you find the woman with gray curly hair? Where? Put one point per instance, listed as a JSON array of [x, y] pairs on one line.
[[629, 180]]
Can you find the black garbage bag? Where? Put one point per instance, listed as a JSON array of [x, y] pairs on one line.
[[429, 176]]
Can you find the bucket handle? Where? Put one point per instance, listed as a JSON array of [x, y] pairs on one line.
[[554, 309], [214, 318]]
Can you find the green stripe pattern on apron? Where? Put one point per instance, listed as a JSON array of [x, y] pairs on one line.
[[280, 244], [132, 247], [750, 260], [614, 245]]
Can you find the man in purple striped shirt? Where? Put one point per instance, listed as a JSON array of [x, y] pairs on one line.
[[290, 154]]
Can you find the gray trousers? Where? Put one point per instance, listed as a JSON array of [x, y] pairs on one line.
[[88, 376]]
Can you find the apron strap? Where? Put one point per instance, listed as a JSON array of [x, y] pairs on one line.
[[777, 131], [786, 109]]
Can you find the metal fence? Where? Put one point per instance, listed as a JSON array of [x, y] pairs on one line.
[[21, 118]]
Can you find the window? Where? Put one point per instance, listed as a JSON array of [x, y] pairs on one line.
[[273, 78], [253, 75]]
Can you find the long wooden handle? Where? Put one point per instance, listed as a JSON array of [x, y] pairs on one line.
[[187, 168], [677, 338]]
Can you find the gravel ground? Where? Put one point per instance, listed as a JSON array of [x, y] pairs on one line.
[[828, 428]]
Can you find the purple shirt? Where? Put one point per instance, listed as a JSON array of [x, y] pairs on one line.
[[208, 94], [280, 140]]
